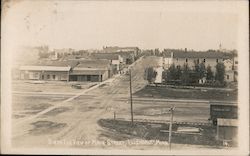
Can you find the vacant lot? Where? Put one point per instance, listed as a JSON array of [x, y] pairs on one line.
[[26, 105], [119, 130], [193, 93], [49, 86]]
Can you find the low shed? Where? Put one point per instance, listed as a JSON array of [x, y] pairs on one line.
[[227, 130], [88, 74], [44, 73]]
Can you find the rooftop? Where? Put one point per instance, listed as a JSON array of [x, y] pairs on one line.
[[192, 54], [93, 63], [108, 56], [117, 49], [88, 71], [65, 63], [45, 68]]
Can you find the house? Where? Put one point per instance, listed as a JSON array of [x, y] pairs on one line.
[[89, 74], [180, 57], [235, 63], [159, 71], [91, 70], [228, 63], [230, 70], [115, 59], [230, 76]]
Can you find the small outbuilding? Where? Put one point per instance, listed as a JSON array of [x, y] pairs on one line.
[[88, 74], [227, 130]]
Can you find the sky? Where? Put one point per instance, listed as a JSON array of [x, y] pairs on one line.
[[198, 25]]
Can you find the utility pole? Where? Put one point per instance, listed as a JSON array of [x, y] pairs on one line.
[[131, 100], [170, 125]]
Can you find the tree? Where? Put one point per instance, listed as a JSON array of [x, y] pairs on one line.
[[234, 54], [171, 73], [220, 72], [165, 75], [199, 71], [185, 76], [210, 74], [178, 73], [202, 71], [157, 52], [43, 54], [150, 74]]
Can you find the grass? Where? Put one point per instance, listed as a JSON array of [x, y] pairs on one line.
[[202, 94], [120, 130]]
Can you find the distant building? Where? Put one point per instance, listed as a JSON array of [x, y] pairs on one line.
[[44, 73], [113, 49], [158, 78], [101, 68], [70, 70], [209, 58], [179, 58], [235, 63], [115, 59], [128, 57], [89, 74], [64, 50]]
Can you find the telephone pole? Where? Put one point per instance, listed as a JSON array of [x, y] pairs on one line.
[[170, 126], [131, 100]]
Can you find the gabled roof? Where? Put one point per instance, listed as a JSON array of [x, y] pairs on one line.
[[44, 68], [87, 71], [93, 63], [65, 63]]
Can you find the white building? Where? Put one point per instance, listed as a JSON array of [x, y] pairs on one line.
[[179, 58]]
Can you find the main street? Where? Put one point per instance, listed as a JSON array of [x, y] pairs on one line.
[[76, 117]]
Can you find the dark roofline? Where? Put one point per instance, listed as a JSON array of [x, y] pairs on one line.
[[193, 54]]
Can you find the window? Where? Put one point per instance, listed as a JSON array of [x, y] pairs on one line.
[[36, 75], [42, 77], [54, 77], [236, 62], [186, 60], [227, 76], [48, 76], [204, 60], [198, 61], [88, 78], [217, 60], [177, 59]]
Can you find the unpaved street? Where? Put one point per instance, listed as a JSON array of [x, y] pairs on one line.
[[69, 118]]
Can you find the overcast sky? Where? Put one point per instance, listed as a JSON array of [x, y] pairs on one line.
[[162, 24]]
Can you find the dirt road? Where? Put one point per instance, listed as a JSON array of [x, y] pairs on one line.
[[75, 118]]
